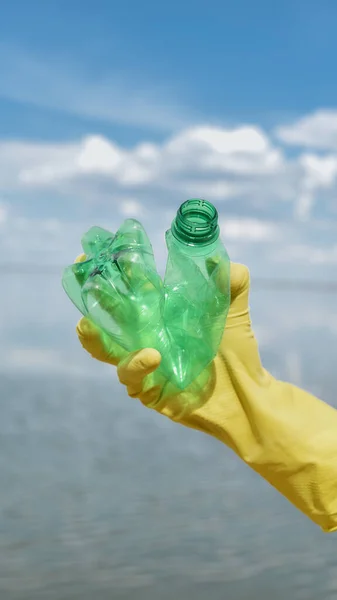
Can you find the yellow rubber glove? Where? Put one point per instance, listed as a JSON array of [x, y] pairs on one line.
[[285, 434]]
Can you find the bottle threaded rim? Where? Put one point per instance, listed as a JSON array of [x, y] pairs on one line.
[[196, 223]]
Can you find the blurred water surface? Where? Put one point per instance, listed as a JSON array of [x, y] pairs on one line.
[[102, 498]]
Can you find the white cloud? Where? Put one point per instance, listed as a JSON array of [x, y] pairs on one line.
[[219, 162], [249, 230], [308, 254], [317, 130], [98, 155], [130, 207], [39, 241], [216, 163], [319, 173], [240, 164], [241, 150], [23, 163], [3, 214], [95, 180]]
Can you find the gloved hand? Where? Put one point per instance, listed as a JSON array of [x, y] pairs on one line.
[[134, 369], [283, 433]]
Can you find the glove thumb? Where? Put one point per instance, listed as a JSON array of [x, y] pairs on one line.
[[132, 370]]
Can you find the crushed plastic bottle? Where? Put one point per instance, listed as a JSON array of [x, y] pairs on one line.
[[183, 317]]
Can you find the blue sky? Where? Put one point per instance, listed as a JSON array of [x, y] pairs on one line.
[[110, 110], [224, 61]]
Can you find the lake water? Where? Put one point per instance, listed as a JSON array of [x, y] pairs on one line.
[[103, 499]]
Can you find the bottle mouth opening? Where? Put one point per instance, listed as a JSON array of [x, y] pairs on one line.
[[196, 222]]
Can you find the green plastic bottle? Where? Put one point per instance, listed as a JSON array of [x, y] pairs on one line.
[[183, 317]]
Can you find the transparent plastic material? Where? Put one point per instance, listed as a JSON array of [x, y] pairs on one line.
[[183, 317]]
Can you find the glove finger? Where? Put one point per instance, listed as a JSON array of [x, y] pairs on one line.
[[219, 293], [218, 271], [240, 288], [240, 279], [98, 344], [80, 258], [132, 370], [240, 284]]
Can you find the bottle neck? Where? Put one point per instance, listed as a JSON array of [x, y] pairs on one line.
[[196, 223]]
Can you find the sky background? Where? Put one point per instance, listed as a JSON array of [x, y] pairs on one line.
[[110, 110]]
